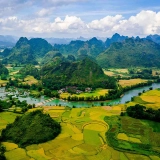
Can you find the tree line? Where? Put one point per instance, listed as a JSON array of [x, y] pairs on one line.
[[141, 112]]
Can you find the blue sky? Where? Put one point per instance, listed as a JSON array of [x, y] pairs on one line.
[[74, 18]]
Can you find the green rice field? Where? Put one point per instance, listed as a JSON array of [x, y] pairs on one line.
[[84, 136]]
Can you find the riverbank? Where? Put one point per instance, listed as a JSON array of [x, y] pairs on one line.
[[58, 102]]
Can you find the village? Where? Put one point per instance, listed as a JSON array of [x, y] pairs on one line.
[[74, 90]]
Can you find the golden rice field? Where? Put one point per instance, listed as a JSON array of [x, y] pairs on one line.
[[30, 80], [150, 99], [97, 92], [3, 82], [82, 137], [130, 82], [5, 118], [116, 72], [123, 136], [109, 73]]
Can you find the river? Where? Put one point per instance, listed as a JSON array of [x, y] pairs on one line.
[[126, 97]]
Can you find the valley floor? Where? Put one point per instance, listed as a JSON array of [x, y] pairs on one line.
[[82, 137]]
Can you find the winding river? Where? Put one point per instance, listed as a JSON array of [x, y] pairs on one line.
[[126, 97]]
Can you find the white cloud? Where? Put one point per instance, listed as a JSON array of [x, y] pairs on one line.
[[144, 23], [70, 24], [106, 23], [42, 25], [44, 12]]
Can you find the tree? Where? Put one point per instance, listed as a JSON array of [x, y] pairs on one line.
[[3, 77], [136, 111]]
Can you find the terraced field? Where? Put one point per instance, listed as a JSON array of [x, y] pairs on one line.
[[83, 137], [134, 136]]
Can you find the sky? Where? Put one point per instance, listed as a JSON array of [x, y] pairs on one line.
[[75, 18]]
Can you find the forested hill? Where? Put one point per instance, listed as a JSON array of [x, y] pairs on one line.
[[40, 46], [117, 51], [27, 51], [84, 73], [131, 52], [78, 48]]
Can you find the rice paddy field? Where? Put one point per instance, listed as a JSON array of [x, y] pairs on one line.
[[6, 118], [134, 136], [30, 80], [117, 72], [97, 92], [150, 99], [3, 82], [86, 135], [130, 82]]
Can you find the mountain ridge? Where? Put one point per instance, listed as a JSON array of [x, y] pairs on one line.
[[27, 51], [131, 52]]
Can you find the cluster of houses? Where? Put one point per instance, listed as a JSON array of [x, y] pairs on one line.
[[73, 89]]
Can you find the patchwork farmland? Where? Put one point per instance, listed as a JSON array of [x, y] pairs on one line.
[[86, 135]]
